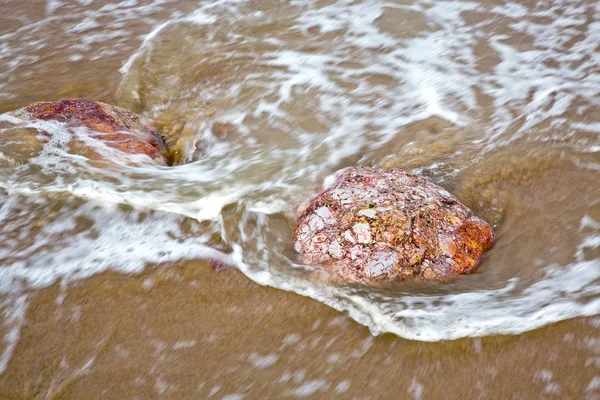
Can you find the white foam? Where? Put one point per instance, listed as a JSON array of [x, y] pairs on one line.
[[115, 240], [53, 5], [309, 388], [261, 362], [13, 312]]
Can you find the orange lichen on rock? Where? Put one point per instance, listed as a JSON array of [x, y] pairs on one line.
[[116, 127], [384, 224]]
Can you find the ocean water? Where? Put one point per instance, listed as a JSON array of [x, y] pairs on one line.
[[496, 101]]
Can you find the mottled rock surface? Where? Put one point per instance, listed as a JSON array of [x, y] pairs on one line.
[[386, 224], [116, 127]]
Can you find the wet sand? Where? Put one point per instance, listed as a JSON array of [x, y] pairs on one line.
[[186, 331]]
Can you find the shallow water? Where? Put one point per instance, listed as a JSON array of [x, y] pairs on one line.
[[499, 102]]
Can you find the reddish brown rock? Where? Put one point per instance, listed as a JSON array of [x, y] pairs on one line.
[[116, 127], [385, 224]]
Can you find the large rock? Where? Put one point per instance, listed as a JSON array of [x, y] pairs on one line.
[[116, 127], [386, 224]]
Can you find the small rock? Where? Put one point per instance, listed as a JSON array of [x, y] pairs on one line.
[[116, 127], [386, 224]]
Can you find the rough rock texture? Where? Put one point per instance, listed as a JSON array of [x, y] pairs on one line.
[[117, 127], [386, 224]]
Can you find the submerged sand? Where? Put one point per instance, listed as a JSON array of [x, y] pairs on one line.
[[186, 331]]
